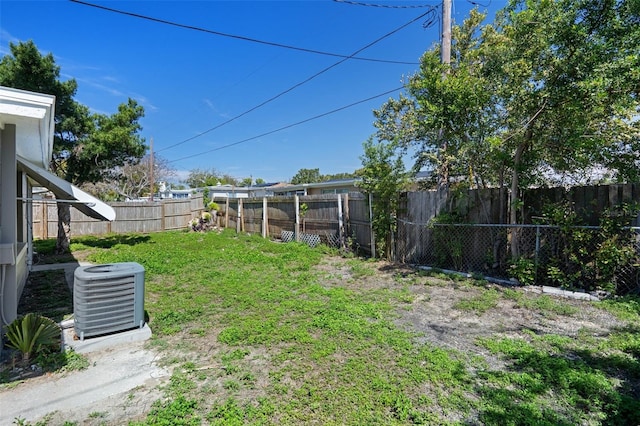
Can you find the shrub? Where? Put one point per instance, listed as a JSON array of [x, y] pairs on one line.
[[32, 333]]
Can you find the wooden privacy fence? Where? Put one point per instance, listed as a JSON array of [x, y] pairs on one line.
[[144, 217], [491, 205], [475, 238], [333, 219]]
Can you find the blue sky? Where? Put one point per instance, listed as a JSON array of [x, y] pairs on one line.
[[223, 102]]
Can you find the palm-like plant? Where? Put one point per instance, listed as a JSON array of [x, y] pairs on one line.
[[31, 333]]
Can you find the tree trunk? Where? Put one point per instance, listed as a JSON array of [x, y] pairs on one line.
[[515, 190], [64, 229]]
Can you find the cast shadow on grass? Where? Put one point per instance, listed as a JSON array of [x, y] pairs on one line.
[[47, 293], [577, 382], [109, 241], [47, 247]]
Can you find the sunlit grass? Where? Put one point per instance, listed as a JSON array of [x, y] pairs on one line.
[[256, 337]]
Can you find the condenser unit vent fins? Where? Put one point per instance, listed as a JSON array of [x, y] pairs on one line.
[[108, 298]]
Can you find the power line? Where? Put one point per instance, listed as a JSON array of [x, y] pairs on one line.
[[386, 6], [298, 84], [238, 37], [475, 3], [287, 126]]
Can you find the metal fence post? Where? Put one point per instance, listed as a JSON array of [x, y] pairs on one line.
[[373, 234], [340, 222], [535, 271]]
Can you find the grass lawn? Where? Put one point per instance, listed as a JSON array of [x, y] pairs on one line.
[[265, 333]]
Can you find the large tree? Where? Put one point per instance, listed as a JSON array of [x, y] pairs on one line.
[[306, 176], [133, 180], [444, 117], [550, 86], [198, 178], [87, 147], [314, 176], [566, 77]]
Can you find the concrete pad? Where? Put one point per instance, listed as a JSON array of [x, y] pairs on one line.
[[120, 383], [92, 344], [112, 373]]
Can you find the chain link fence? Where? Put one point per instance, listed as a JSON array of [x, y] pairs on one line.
[[587, 258]]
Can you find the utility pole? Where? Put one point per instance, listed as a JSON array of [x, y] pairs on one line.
[[445, 58], [151, 182], [446, 32]]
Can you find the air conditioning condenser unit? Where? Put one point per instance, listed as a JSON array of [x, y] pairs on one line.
[[108, 298]]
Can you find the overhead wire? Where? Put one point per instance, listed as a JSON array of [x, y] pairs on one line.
[[295, 86], [386, 6], [287, 126], [238, 37], [430, 13], [475, 3]]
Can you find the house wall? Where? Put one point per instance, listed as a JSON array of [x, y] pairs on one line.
[[12, 271], [337, 190], [26, 131]]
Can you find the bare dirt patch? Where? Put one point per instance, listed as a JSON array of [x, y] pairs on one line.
[[433, 310]]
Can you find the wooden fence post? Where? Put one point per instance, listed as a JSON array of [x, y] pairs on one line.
[[296, 201], [340, 222], [347, 219], [226, 214], [163, 224], [265, 218], [45, 220]]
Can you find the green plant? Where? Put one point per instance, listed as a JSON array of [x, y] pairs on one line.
[[303, 209], [448, 245], [588, 259], [175, 412], [55, 360], [481, 303], [523, 270], [213, 206], [32, 333]]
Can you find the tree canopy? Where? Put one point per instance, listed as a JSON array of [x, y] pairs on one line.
[[314, 176], [199, 178], [548, 88], [133, 180], [88, 147]]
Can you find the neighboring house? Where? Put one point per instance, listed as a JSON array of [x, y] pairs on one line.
[[26, 144], [266, 189], [338, 186], [221, 192]]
